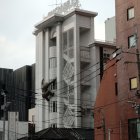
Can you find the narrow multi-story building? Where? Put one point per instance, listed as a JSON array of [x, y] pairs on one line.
[[128, 69], [66, 51], [117, 108]]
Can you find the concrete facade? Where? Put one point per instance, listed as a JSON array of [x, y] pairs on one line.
[[66, 50], [110, 29], [64, 40], [13, 128]]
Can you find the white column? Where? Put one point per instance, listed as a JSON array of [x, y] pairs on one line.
[[46, 76], [59, 76], [39, 76], [77, 76]]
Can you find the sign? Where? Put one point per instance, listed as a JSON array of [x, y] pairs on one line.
[[65, 7]]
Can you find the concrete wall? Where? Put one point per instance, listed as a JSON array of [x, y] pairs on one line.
[[77, 22], [21, 130], [110, 29]]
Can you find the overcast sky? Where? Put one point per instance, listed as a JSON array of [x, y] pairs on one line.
[[17, 20]]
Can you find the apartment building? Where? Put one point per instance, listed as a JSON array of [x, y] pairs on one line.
[[67, 51], [117, 108], [128, 74]]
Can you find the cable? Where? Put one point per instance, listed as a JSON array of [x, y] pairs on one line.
[[96, 75], [102, 60]]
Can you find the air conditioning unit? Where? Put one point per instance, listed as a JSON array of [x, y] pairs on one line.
[[138, 93]]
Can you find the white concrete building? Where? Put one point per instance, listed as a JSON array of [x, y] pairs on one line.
[[110, 29], [65, 50]]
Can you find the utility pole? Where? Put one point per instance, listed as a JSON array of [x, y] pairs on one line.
[[3, 107]]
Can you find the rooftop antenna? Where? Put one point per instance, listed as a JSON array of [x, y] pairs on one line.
[[56, 4]]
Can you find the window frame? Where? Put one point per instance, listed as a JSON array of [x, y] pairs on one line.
[[53, 106], [52, 64], [136, 122], [130, 84], [129, 16], [129, 42], [53, 125]]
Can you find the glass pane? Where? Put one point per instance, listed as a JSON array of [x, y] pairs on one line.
[[65, 41], [53, 62], [133, 83], [130, 13], [71, 38], [132, 41], [138, 128]]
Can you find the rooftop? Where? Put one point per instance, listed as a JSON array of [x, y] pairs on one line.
[[51, 20]]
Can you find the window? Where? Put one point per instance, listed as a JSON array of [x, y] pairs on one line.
[[131, 41], [116, 88], [68, 39], [65, 41], [33, 118], [52, 62], [134, 129], [71, 38], [133, 83], [130, 13], [53, 106], [53, 85], [1, 134], [54, 125]]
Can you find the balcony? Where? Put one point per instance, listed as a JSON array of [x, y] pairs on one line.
[[84, 54], [85, 77]]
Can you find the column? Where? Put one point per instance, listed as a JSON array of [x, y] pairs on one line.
[[59, 75]]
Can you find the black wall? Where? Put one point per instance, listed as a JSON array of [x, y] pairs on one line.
[[20, 85]]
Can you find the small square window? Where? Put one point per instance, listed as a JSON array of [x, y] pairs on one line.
[[133, 83], [131, 41], [130, 13]]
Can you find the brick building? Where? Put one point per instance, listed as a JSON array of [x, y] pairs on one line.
[[118, 105], [105, 110], [128, 69]]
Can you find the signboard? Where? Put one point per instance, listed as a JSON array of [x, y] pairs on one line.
[[65, 7]]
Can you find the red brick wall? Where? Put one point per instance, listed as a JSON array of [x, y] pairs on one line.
[[126, 69], [106, 106]]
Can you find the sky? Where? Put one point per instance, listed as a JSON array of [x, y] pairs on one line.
[[17, 20]]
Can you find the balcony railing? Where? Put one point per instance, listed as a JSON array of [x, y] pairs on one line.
[[85, 77], [84, 54]]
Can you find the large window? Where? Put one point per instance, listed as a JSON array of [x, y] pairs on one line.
[[131, 41], [134, 129], [68, 39], [133, 83], [130, 13]]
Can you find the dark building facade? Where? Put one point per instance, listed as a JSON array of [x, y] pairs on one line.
[[6, 81], [20, 88]]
